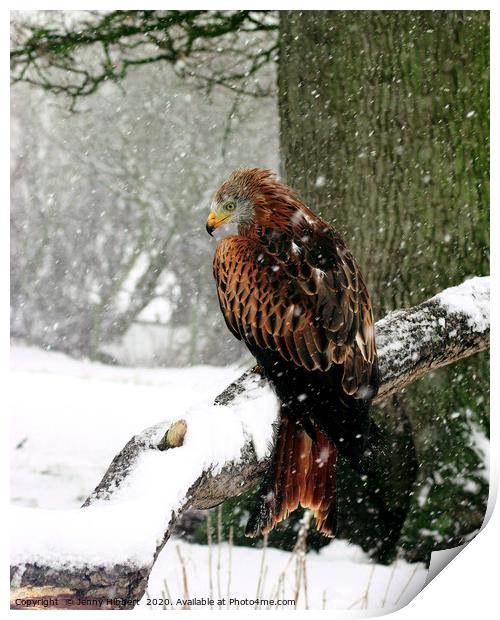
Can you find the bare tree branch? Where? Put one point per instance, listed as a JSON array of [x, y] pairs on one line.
[[77, 59], [451, 326]]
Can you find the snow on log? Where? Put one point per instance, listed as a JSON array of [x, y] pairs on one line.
[[448, 327], [197, 458]]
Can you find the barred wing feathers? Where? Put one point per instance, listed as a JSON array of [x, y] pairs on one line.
[[301, 295]]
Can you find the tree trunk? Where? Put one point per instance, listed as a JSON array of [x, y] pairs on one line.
[[384, 124]]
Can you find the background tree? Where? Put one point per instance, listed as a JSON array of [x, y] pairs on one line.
[[77, 52], [384, 125], [120, 185]]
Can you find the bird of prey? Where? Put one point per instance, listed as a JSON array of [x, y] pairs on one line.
[[292, 291]]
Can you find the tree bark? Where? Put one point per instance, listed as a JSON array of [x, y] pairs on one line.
[[384, 125], [441, 331]]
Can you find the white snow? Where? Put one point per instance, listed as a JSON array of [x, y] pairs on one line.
[[340, 576], [470, 298], [160, 481], [96, 535], [69, 418], [481, 444], [300, 215], [132, 524]]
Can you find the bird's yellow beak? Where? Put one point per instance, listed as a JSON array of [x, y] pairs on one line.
[[214, 221]]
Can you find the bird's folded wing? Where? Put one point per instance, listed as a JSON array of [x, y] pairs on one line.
[[302, 297]]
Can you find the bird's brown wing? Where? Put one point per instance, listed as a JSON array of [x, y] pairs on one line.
[[303, 297]]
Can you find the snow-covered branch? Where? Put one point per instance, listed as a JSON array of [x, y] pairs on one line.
[[106, 550]]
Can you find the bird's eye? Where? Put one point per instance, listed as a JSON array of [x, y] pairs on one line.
[[230, 206]]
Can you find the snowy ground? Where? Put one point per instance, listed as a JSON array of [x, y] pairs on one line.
[[69, 418]]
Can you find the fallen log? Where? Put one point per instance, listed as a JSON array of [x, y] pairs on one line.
[[101, 555]]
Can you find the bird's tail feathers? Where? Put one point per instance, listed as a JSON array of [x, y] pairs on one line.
[[302, 472]]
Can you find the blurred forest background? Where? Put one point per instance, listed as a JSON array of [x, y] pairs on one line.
[[123, 125]]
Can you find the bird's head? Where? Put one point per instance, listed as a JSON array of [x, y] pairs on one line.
[[251, 196]]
